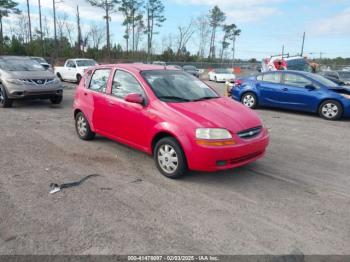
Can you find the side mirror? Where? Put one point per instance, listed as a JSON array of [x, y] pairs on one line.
[[310, 87], [134, 98]]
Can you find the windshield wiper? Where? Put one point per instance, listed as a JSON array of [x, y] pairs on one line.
[[177, 98], [204, 98]]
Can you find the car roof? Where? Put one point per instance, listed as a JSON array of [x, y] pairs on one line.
[[138, 67]]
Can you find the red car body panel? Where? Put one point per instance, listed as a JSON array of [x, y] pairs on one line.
[[138, 125]]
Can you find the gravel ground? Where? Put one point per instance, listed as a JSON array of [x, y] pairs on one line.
[[295, 200]]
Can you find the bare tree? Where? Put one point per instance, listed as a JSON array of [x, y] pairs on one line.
[[79, 40], [139, 32], [184, 35], [109, 7], [203, 32], [155, 18], [97, 35], [41, 29], [29, 22]]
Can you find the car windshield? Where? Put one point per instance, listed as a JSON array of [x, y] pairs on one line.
[[344, 75], [298, 65], [86, 62], [18, 64], [189, 68], [324, 81], [222, 71], [177, 86]]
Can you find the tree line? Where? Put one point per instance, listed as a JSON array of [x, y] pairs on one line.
[[141, 22]]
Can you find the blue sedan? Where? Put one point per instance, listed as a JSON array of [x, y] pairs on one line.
[[295, 90]]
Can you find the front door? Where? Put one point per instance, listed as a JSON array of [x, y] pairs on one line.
[[129, 122], [295, 94]]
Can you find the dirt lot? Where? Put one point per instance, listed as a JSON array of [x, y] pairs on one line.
[[295, 200]]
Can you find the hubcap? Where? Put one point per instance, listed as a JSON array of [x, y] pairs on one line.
[[167, 159], [248, 100], [81, 126], [2, 96], [330, 110]]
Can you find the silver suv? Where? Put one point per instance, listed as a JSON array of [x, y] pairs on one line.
[[23, 78]]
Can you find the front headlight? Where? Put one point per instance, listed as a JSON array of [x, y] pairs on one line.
[[213, 133], [14, 81], [346, 96]]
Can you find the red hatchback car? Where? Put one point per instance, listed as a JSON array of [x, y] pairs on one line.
[[169, 114]]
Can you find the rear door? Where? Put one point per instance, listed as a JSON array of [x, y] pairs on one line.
[[269, 85], [97, 100], [295, 95]]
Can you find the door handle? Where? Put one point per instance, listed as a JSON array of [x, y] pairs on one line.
[[285, 89]]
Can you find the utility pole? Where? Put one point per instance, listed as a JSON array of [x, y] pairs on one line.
[[41, 29], [79, 31], [282, 51], [302, 45], [54, 26], [29, 22]]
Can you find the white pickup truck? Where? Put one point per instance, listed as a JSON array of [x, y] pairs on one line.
[[73, 69]]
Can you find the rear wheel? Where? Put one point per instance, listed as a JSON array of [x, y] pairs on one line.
[[169, 158], [4, 100], [78, 79], [56, 100], [249, 100], [330, 110], [83, 128]]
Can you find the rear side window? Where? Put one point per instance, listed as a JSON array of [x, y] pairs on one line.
[[296, 80], [124, 84], [99, 80], [272, 78]]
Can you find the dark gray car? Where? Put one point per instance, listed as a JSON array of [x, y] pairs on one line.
[[341, 76], [24, 78], [191, 70]]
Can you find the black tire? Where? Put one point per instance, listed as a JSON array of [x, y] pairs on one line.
[[181, 166], [330, 110], [59, 77], [250, 100], [78, 79], [84, 135], [216, 79], [5, 102], [56, 100]]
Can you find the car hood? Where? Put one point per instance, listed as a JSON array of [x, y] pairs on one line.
[[29, 74], [220, 113]]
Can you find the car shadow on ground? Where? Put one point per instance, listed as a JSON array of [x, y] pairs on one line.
[[37, 103], [296, 113]]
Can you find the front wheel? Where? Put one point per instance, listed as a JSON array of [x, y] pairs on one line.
[[169, 158], [330, 110], [4, 100], [56, 100], [249, 100], [83, 128]]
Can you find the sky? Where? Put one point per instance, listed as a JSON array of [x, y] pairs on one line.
[[266, 25]]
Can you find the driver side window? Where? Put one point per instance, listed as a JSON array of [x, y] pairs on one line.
[[71, 64], [296, 80], [124, 84]]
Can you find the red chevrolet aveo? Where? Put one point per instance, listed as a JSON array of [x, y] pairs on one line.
[[169, 114]]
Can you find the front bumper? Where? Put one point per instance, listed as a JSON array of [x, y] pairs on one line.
[[32, 91], [204, 158]]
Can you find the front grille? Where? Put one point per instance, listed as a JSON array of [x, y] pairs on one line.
[[37, 81], [250, 133], [244, 158]]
